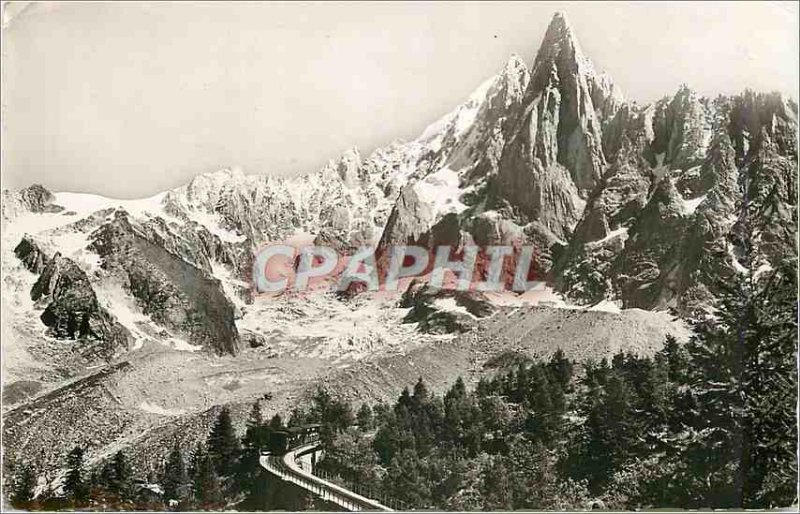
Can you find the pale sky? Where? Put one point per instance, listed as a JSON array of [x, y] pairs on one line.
[[128, 99]]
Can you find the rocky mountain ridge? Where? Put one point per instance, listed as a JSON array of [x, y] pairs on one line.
[[125, 323], [623, 203]]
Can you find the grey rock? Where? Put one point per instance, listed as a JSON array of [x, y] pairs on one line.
[[72, 310], [32, 257], [170, 288], [34, 198], [421, 298]]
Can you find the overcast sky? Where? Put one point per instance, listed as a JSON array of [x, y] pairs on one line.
[[130, 99]]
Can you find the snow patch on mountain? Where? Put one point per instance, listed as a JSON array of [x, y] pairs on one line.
[[441, 191], [690, 206]]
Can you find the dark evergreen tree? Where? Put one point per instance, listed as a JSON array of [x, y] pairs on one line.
[[546, 403], [223, 445], [654, 396], [105, 478], [484, 387], [404, 401], [121, 484], [194, 461], [608, 432], [380, 412], [421, 395], [248, 476], [364, 417], [677, 359], [406, 480], [24, 486], [276, 423], [497, 491], [770, 470], [461, 427], [256, 418], [334, 414], [175, 478], [391, 438], [519, 384], [75, 485], [206, 482], [561, 369], [743, 372]]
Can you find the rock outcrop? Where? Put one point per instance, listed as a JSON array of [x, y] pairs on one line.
[[32, 257], [72, 310], [688, 177], [444, 311], [34, 198], [173, 289]]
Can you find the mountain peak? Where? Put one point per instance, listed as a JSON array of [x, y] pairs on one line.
[[560, 45], [560, 23]]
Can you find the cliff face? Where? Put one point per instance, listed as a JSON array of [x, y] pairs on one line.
[[32, 257], [689, 174], [565, 105], [175, 290], [72, 310], [533, 151]]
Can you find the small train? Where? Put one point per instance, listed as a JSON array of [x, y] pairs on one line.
[[281, 441]]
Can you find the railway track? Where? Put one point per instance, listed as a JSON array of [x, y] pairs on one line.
[[286, 468]]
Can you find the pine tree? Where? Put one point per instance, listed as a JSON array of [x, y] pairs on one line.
[[484, 387], [364, 417], [223, 445], [256, 418], [334, 414], [175, 476], [497, 487], [655, 393], [421, 395], [121, 483], [743, 370], [194, 461], [406, 480], [276, 423], [461, 426], [609, 430], [535, 481], [105, 478], [520, 385], [677, 359], [404, 400], [24, 486], [206, 483], [75, 485], [771, 394], [248, 471], [561, 369], [546, 403]]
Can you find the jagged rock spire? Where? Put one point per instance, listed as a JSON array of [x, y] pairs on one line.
[[563, 75], [559, 45], [554, 154]]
